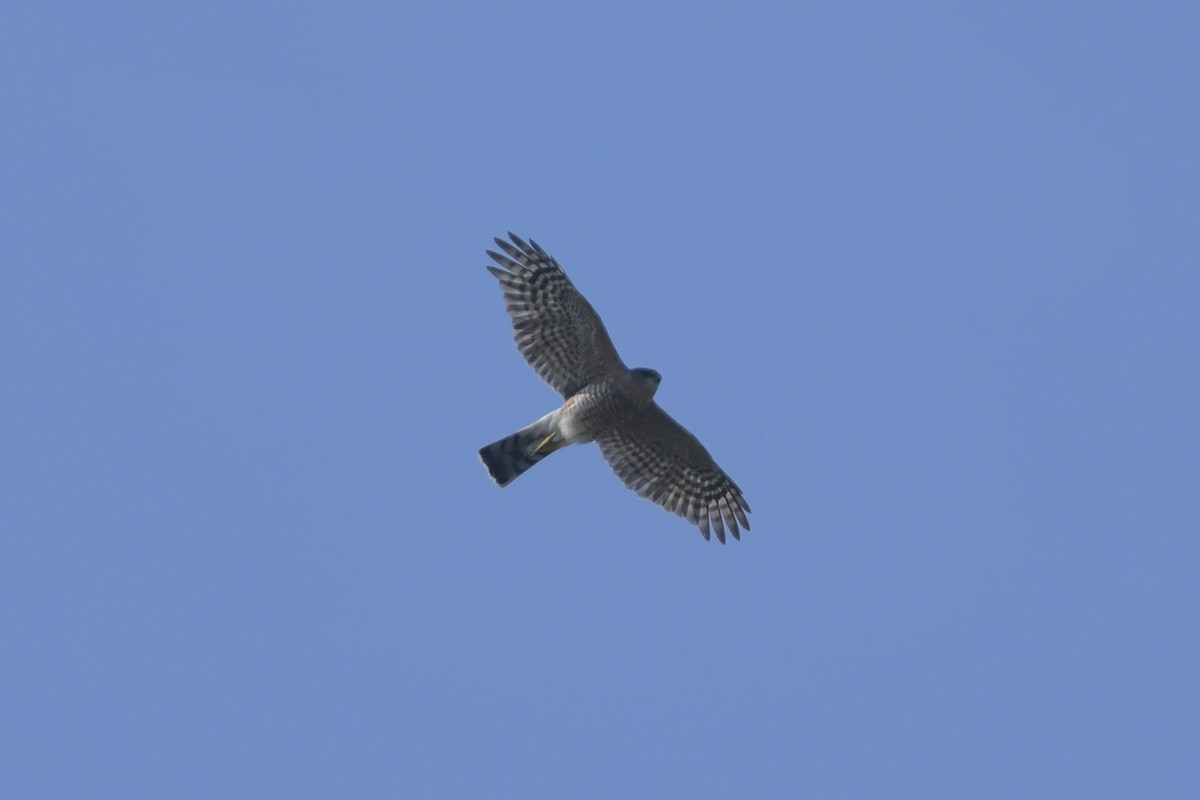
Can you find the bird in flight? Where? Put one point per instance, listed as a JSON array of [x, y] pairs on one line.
[[561, 336]]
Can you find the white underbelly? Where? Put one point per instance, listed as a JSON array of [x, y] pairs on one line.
[[570, 423]]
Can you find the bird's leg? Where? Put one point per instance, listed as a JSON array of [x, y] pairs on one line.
[[545, 445]]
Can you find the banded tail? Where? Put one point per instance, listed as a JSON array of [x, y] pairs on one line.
[[508, 458]]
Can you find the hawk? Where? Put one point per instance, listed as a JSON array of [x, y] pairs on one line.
[[561, 336]]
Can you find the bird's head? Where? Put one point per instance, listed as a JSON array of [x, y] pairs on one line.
[[646, 379]]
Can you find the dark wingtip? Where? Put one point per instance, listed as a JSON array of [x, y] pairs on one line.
[[740, 510]]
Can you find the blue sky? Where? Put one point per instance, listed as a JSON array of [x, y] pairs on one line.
[[922, 276]]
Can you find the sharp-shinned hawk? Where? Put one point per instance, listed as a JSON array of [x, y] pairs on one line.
[[561, 336]]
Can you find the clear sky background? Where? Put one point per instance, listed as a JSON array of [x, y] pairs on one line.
[[922, 276]]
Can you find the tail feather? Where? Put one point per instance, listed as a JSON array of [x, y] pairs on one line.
[[507, 458]]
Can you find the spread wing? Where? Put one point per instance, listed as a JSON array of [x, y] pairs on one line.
[[557, 330], [660, 460]]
